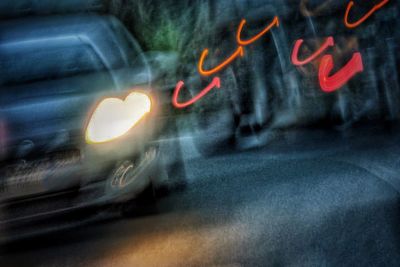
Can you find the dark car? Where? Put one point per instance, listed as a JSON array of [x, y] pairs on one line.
[[79, 120]]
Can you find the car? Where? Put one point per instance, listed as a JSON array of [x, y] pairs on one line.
[[81, 125]]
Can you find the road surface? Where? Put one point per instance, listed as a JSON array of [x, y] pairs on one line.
[[313, 200]]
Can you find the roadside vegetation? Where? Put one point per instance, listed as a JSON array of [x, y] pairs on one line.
[[164, 25]]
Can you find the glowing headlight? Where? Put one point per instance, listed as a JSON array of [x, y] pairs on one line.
[[114, 117]]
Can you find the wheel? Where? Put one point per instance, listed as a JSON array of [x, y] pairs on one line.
[[135, 193], [143, 205]]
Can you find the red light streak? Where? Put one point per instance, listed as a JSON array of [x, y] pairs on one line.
[[275, 22], [295, 55], [329, 83], [216, 82], [334, 82], [229, 60], [352, 25]]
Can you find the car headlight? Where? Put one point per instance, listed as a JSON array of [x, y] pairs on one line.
[[115, 117]]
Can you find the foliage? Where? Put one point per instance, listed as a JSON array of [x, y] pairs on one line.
[[162, 25]]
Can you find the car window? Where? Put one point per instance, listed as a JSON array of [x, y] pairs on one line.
[[51, 58]]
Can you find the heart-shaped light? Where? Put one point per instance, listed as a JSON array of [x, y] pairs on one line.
[[114, 117]]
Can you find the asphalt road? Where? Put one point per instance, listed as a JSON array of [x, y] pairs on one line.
[[317, 200]]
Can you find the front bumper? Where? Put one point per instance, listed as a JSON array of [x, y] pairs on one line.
[[82, 177], [23, 217]]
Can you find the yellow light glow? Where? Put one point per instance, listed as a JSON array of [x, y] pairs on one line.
[[114, 117]]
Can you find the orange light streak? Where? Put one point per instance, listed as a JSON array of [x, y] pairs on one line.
[[229, 60], [275, 22], [352, 25]]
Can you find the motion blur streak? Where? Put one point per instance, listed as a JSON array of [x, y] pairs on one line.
[[316, 11], [295, 55], [239, 52], [365, 17], [275, 22], [339, 79], [216, 82]]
